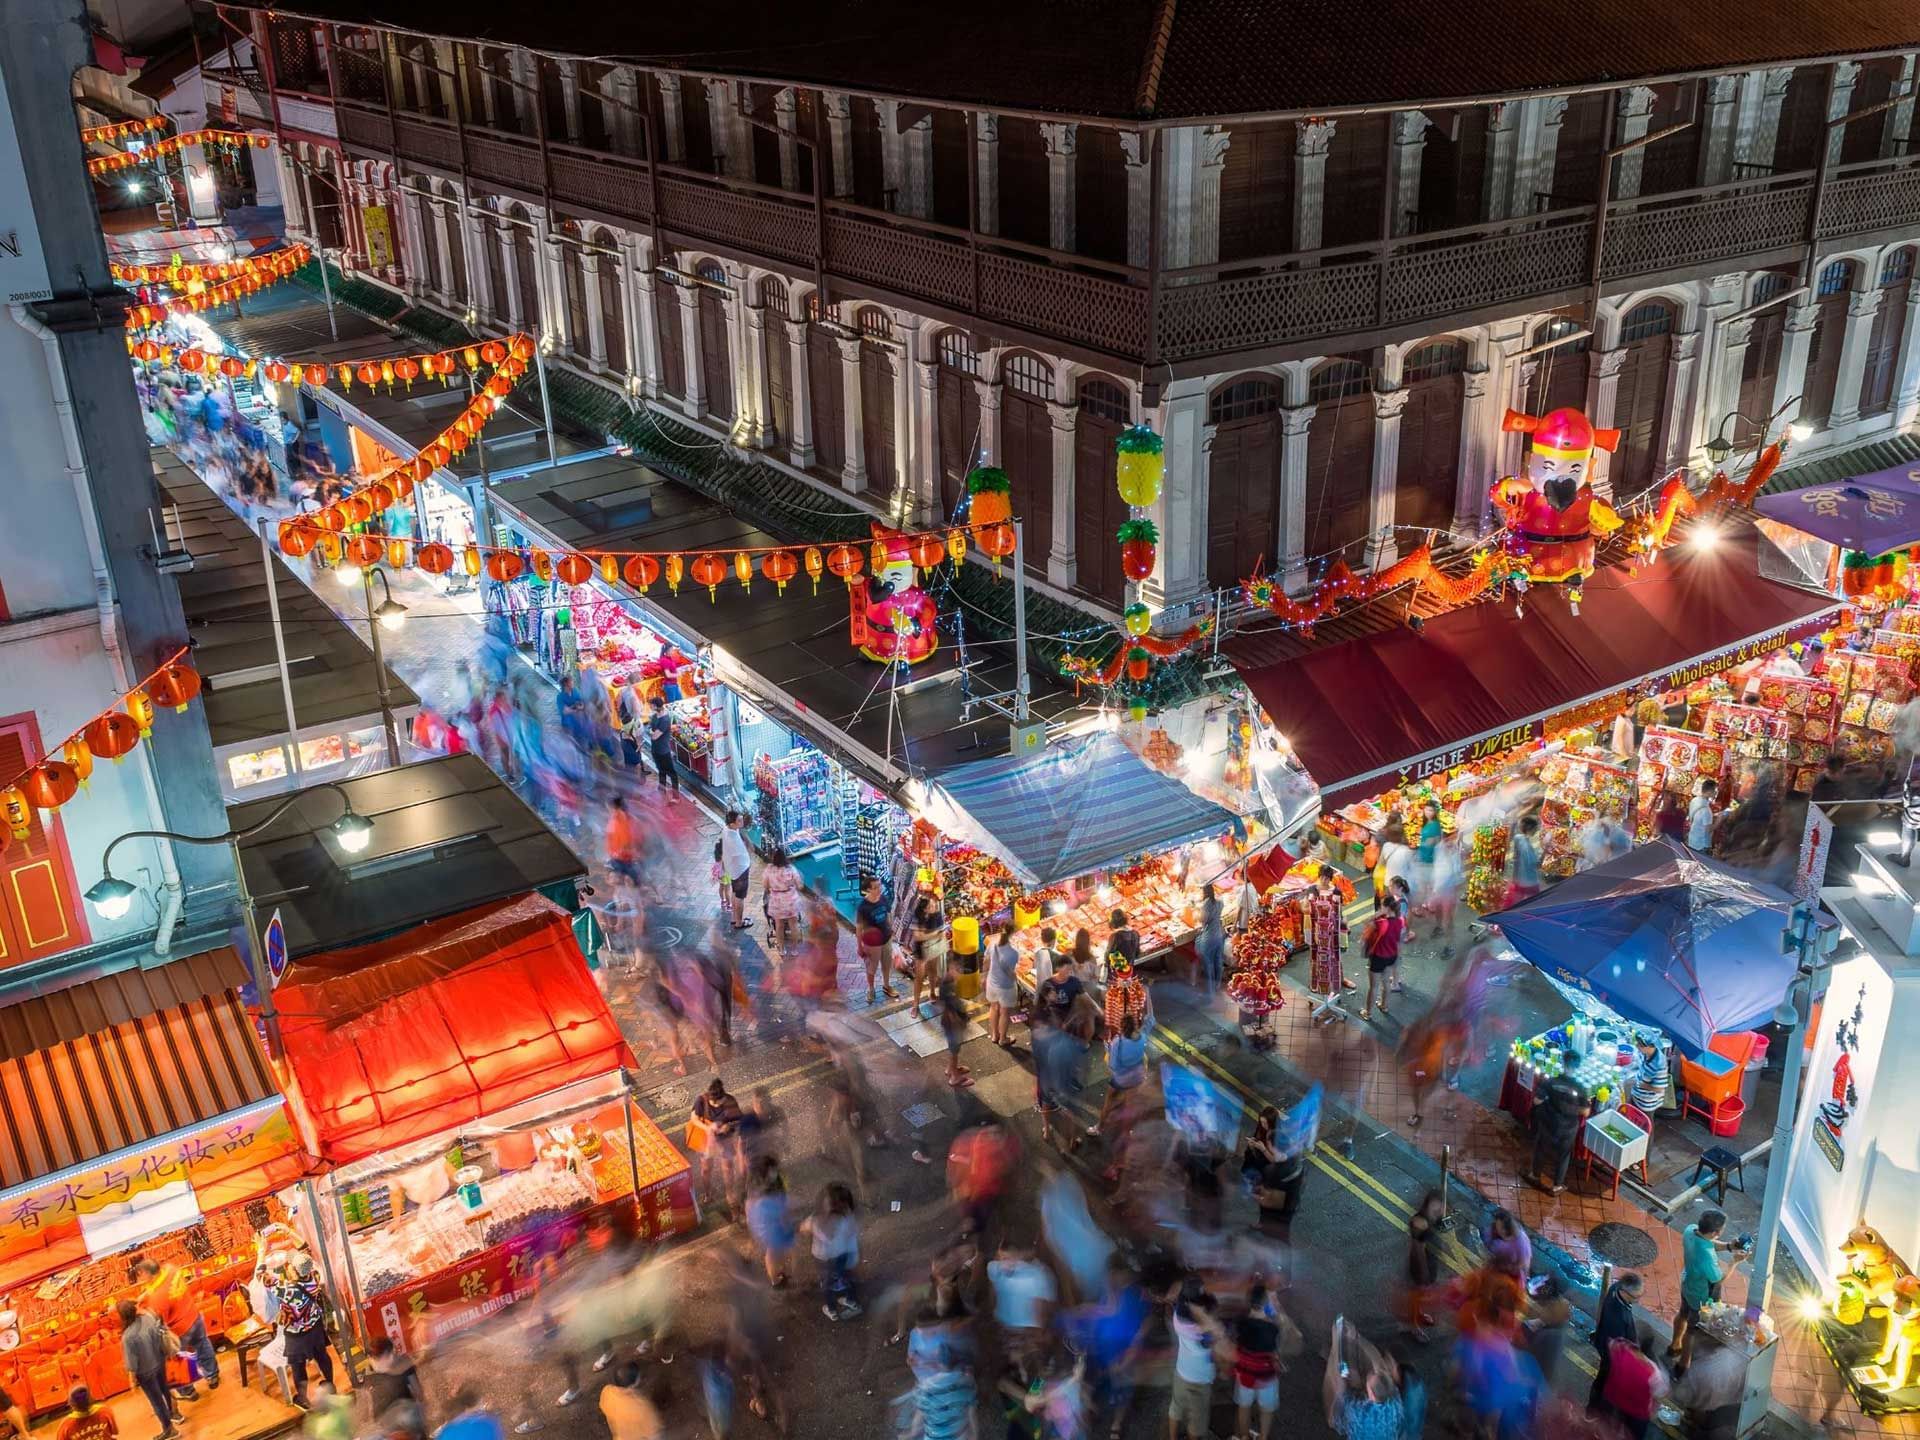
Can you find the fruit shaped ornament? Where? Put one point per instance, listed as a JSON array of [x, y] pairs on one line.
[[990, 495], [1553, 518], [1139, 548], [900, 615], [1140, 465]]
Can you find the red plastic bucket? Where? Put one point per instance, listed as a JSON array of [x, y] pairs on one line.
[[1726, 1119]]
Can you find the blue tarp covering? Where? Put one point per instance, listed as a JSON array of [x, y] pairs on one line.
[[1081, 805], [1664, 938]]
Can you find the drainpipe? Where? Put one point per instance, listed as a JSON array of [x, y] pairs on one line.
[[170, 896]]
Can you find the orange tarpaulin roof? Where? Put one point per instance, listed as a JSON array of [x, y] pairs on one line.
[[397, 1041]]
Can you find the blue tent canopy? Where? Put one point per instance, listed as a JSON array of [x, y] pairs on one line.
[[1081, 805], [1664, 938]]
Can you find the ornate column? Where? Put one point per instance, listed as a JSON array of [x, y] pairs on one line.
[[1603, 389], [590, 262], [1133, 150], [1180, 573], [926, 433], [800, 386], [1295, 422], [646, 288], [569, 73], [1546, 155], [630, 362], [443, 244], [907, 445], [1503, 142], [854, 477], [1477, 440], [786, 115], [1906, 387], [986, 166], [552, 309], [1311, 141], [1682, 353], [839, 140], [1409, 151], [520, 67], [760, 427], [730, 129], [916, 168], [445, 70], [691, 343], [1862, 306], [1061, 142], [1635, 118], [1762, 95], [1383, 546], [740, 360], [988, 392], [516, 303], [1899, 120], [1729, 361], [1719, 128], [621, 87], [1190, 222], [1060, 556], [673, 119], [1845, 73], [1791, 378]]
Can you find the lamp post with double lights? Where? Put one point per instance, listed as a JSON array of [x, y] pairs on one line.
[[389, 614], [111, 897]]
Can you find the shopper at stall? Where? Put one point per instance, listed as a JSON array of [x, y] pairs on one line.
[[146, 1345], [1327, 930], [302, 1315], [13, 1420], [872, 927], [1635, 1385], [736, 865], [1523, 861], [168, 1292], [86, 1421], [1423, 1261], [1123, 942], [659, 733], [710, 1137], [1126, 995], [1003, 985], [1700, 819], [1210, 945], [1559, 1111], [954, 1019], [1381, 943], [1044, 957], [770, 1219], [780, 883], [1126, 1068], [1651, 1077], [929, 943]]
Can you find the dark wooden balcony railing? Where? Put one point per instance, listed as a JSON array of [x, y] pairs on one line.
[[1211, 310]]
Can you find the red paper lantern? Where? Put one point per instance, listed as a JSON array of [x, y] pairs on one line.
[[193, 360], [49, 785], [316, 374], [365, 550], [176, 685], [277, 372], [330, 519], [436, 456], [641, 572], [521, 348], [355, 509], [844, 561], [493, 352], [147, 350], [996, 540], [422, 467], [233, 367], [297, 537], [402, 484], [435, 558], [927, 551], [505, 565], [779, 567], [574, 569], [709, 570], [379, 495], [408, 369], [368, 373]]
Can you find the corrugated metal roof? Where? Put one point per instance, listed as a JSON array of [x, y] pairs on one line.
[[40, 1022], [107, 1090], [1840, 465]]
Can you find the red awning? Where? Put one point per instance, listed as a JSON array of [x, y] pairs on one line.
[[1475, 681], [399, 1040]]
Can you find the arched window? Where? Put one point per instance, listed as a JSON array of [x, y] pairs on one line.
[[1645, 321], [712, 271], [1434, 360], [1106, 400], [957, 399], [1836, 278], [1889, 333], [814, 312], [1337, 379], [1243, 478], [1558, 374], [1243, 400], [1026, 449], [773, 295], [1831, 293], [957, 352], [876, 324], [1428, 476], [1339, 456], [1640, 396], [1030, 375]]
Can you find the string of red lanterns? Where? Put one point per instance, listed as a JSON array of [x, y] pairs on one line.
[[269, 270], [122, 130], [387, 370], [219, 139], [179, 273], [52, 781]]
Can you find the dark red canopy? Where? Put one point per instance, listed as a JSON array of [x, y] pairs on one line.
[[399, 1040], [1481, 679]]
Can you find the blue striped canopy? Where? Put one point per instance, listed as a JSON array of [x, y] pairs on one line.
[[1085, 804]]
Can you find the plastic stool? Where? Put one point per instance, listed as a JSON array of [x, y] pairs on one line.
[[1723, 1165]]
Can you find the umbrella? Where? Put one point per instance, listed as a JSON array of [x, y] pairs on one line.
[[1664, 938]]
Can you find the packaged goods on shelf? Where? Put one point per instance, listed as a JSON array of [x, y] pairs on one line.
[[798, 811]]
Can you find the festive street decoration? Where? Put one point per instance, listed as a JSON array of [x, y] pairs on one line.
[[1648, 533], [1139, 548], [989, 495], [900, 617], [1552, 516], [1340, 586], [179, 274], [54, 780], [122, 130], [213, 139], [1723, 491], [1142, 465], [280, 265], [1107, 673]]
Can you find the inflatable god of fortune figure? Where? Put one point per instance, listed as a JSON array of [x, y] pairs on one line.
[[1903, 1334], [900, 615], [1553, 518]]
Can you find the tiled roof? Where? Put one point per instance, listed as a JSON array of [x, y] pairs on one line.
[[1844, 464], [1176, 59]]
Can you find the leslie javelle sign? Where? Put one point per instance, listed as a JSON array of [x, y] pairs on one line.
[[23, 265]]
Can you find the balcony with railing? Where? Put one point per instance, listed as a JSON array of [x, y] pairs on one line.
[[1191, 314]]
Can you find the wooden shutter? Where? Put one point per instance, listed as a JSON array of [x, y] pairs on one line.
[[1823, 359], [1256, 191], [1024, 203], [1100, 194], [959, 422], [673, 366], [696, 124], [614, 312], [1098, 509], [1889, 333], [876, 413], [716, 359], [572, 266], [40, 910], [1428, 474], [1356, 170], [1760, 368], [779, 374], [950, 141], [828, 390], [869, 172]]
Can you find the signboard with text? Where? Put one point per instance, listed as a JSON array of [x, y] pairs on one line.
[[23, 264]]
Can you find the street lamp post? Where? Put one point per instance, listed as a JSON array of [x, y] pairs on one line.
[[389, 614], [111, 897]]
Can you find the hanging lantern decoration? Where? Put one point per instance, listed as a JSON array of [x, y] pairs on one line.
[[49, 785], [779, 567], [146, 350], [676, 571], [408, 369], [397, 554], [543, 567], [297, 537], [1139, 548], [472, 357], [641, 572], [277, 372], [844, 561], [233, 367], [957, 548], [15, 810], [990, 495], [505, 566], [926, 551], [1141, 466], [368, 373], [140, 708], [998, 541], [1139, 662], [193, 361], [112, 734], [436, 455], [355, 510], [379, 496], [743, 569], [878, 558], [610, 569], [76, 754], [470, 559], [330, 547], [330, 519], [573, 569], [1138, 618], [316, 375], [435, 558], [365, 550], [816, 566], [493, 352], [709, 570]]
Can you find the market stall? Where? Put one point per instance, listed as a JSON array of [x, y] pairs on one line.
[[88, 1182], [463, 1084]]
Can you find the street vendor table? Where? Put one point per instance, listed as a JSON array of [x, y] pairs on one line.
[[1533, 1062]]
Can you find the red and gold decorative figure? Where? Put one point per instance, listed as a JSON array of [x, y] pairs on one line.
[[900, 615], [1553, 518]]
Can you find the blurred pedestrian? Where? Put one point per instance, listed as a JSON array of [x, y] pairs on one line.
[[1003, 984], [1617, 1320], [781, 885], [833, 1231], [770, 1219], [1210, 945]]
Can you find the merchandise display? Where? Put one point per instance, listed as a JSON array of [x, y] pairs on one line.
[[798, 809], [1871, 689], [1164, 912], [1673, 763], [1582, 786], [1487, 866]]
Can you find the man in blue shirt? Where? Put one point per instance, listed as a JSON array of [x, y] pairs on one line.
[[1699, 1280]]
